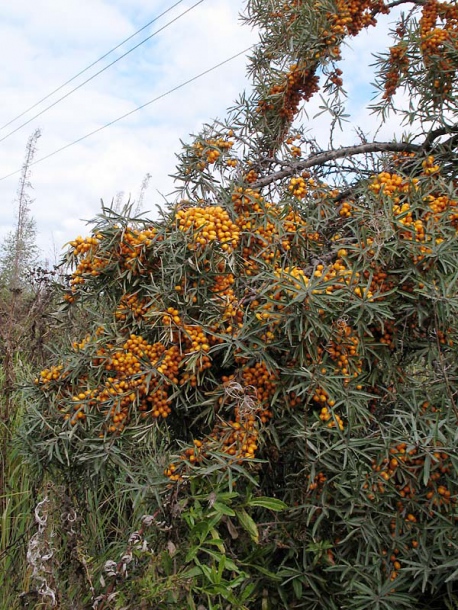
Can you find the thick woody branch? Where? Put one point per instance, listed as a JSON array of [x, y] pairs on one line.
[[437, 133], [333, 155], [399, 2]]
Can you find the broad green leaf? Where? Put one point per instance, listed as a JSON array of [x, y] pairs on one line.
[[270, 503], [248, 524], [223, 509]]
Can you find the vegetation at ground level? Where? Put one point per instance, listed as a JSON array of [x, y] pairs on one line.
[[257, 404]]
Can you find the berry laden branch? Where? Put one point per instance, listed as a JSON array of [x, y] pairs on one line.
[[332, 155]]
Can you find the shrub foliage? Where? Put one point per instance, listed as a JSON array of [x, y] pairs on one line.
[[269, 372]]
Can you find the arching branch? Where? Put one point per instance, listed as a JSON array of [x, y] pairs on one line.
[[333, 155], [437, 133]]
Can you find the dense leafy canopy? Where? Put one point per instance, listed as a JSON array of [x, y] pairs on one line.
[[270, 370]]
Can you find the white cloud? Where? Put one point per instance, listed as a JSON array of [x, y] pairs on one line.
[[48, 42]]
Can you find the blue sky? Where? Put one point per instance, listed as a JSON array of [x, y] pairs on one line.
[[46, 42]]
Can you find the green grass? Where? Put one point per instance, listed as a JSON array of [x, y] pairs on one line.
[[17, 500]]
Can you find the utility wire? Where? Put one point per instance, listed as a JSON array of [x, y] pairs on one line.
[[90, 66], [102, 70], [88, 135]]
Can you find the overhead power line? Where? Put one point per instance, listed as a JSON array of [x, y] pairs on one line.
[[159, 97], [70, 80], [102, 70]]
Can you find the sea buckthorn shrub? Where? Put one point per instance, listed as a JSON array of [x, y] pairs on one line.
[[272, 366]]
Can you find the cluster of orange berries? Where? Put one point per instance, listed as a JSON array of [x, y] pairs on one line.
[[209, 151], [133, 387], [208, 224], [336, 276], [54, 373], [193, 455], [251, 176], [415, 223], [434, 41], [404, 217], [267, 315], [321, 396], [136, 348], [340, 275], [352, 16], [318, 481], [231, 163], [131, 304], [345, 209], [226, 299], [399, 64], [196, 338], [265, 244], [262, 380], [238, 437], [299, 83], [443, 338], [130, 382], [333, 420], [192, 339], [432, 37], [268, 229], [81, 245], [293, 225], [409, 460], [336, 77], [296, 151], [89, 265], [327, 413], [246, 199], [298, 187], [429, 166], [132, 247], [191, 336], [379, 280], [392, 184], [441, 204], [396, 564], [268, 311], [402, 469], [171, 316], [79, 345], [88, 339], [294, 278], [343, 347], [192, 378]]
